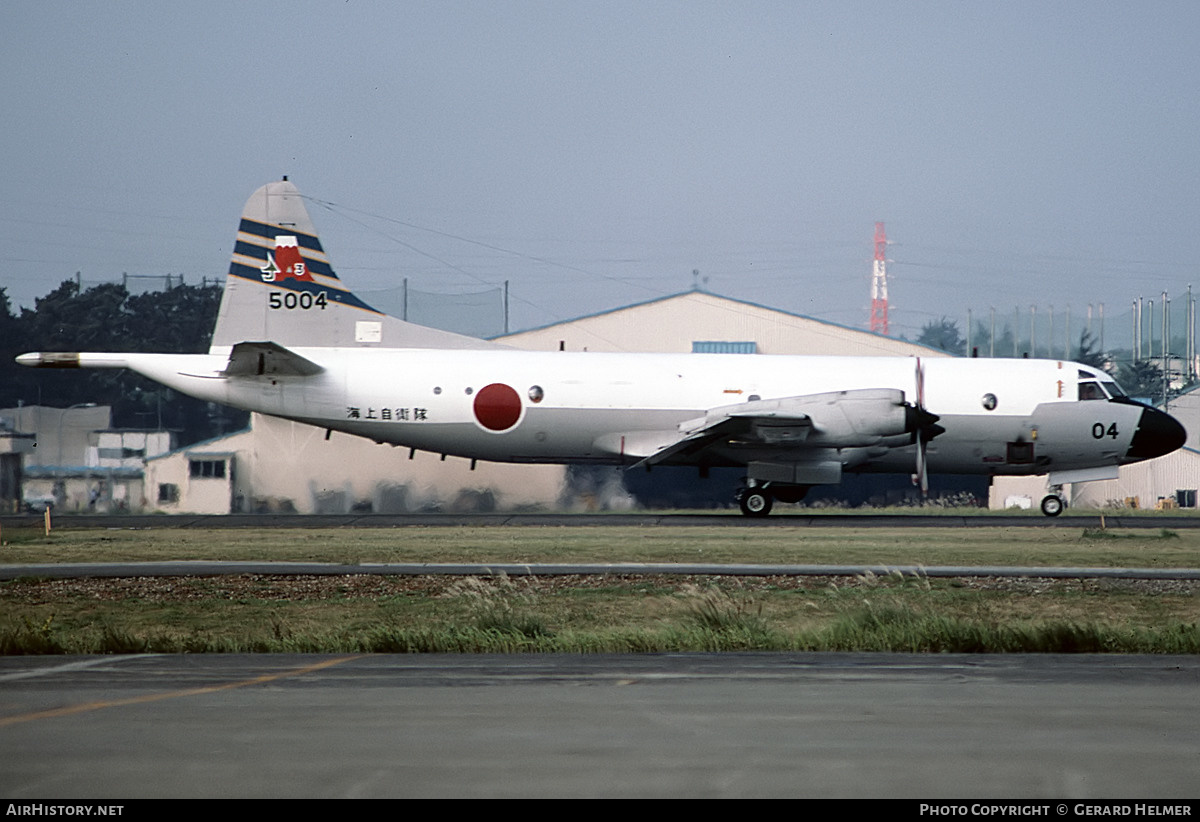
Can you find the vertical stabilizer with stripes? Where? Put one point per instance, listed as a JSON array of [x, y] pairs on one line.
[[281, 289]]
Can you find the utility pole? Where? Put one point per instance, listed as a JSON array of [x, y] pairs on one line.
[[992, 344]]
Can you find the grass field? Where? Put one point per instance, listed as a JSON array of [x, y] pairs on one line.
[[605, 613]]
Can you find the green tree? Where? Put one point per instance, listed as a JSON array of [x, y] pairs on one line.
[[1088, 352], [14, 380], [106, 317], [944, 335], [1142, 378]]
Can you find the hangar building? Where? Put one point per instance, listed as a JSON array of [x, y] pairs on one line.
[[701, 322]]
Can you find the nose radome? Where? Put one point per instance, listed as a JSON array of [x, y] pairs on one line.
[[1157, 433]]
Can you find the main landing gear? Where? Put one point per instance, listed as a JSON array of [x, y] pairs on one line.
[[757, 500], [1053, 504]]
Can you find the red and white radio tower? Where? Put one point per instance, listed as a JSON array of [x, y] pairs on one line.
[[879, 300]]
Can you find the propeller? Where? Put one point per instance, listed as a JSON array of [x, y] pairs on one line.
[[924, 428]]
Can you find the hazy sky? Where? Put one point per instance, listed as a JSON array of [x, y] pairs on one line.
[[595, 153]]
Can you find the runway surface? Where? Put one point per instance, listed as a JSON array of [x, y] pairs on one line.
[[689, 725]]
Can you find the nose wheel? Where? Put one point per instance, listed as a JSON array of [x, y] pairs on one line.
[[1053, 505]]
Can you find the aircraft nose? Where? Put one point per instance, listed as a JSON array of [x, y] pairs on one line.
[[1157, 433]]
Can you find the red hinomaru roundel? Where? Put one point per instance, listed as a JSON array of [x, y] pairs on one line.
[[497, 407]]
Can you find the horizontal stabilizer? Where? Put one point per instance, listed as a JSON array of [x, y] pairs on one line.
[[258, 359]]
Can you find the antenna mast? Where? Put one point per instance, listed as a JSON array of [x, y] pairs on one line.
[[879, 295]]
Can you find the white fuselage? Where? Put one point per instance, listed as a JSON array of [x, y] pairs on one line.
[[600, 407]]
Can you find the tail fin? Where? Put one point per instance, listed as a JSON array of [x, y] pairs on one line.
[[281, 289]]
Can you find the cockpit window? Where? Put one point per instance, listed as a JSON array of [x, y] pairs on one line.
[[1086, 375], [1091, 391], [1113, 389]]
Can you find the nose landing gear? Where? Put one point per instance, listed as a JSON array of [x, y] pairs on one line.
[[1053, 504]]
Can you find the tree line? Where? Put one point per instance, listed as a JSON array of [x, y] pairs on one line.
[[106, 317]]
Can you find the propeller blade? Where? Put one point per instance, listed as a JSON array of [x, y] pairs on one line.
[[922, 475]]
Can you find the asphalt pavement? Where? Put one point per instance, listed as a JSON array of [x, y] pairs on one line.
[[636, 726]]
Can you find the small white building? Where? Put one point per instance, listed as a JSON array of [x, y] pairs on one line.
[[78, 462], [14, 445]]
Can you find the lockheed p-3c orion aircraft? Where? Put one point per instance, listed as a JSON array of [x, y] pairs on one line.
[[292, 341]]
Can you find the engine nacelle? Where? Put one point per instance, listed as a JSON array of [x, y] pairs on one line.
[[839, 419]]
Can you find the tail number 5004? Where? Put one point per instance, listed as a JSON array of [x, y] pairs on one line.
[[292, 300]]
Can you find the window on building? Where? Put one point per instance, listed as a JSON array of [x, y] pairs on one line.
[[724, 347], [214, 469], [1186, 498], [168, 492]]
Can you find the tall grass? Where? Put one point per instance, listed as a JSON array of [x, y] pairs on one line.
[[894, 628], [713, 625]]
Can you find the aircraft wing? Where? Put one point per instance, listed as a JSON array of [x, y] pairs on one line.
[[689, 445], [257, 359], [839, 419]]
